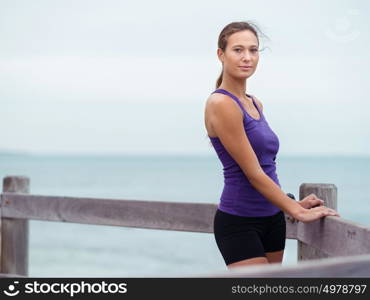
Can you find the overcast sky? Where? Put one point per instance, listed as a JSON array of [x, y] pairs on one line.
[[133, 76]]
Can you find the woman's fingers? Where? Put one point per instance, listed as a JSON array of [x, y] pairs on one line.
[[319, 212], [312, 200], [315, 202], [327, 211], [332, 211], [316, 213]]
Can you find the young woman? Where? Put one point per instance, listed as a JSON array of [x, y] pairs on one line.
[[249, 225]]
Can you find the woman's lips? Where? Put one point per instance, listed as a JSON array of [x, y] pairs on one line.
[[245, 67]]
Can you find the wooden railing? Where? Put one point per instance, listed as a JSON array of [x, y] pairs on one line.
[[332, 246]]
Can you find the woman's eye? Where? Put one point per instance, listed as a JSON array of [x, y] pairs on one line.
[[253, 50]]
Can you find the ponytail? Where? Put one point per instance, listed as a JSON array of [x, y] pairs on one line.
[[219, 79]]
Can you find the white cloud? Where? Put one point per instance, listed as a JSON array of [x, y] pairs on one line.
[[97, 78]]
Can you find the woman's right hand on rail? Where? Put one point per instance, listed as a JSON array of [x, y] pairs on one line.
[[315, 213]]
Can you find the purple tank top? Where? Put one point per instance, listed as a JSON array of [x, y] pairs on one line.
[[239, 197]]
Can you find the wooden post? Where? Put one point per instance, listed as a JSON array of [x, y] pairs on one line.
[[326, 192], [14, 232]]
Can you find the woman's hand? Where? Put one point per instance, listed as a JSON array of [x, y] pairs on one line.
[[311, 201], [312, 214], [313, 210]]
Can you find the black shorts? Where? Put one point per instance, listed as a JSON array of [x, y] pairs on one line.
[[240, 238]]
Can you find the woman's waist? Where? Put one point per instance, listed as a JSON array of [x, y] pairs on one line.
[[245, 187], [240, 179], [234, 170]]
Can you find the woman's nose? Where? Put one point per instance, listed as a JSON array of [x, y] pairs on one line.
[[246, 55]]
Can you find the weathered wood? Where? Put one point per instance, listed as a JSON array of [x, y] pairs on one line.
[[335, 236], [14, 232], [326, 192], [305, 252], [181, 216], [350, 266], [291, 227], [331, 235], [4, 275], [326, 237]]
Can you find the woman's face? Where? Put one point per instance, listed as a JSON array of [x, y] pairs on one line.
[[241, 50]]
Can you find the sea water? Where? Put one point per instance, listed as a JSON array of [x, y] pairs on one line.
[[59, 249]]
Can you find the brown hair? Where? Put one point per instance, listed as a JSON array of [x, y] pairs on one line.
[[229, 30]]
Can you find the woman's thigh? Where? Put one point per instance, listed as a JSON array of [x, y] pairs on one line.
[[275, 257], [248, 262], [238, 239], [274, 239]]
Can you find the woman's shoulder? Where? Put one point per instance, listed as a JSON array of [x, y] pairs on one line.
[[219, 109], [221, 104], [218, 99]]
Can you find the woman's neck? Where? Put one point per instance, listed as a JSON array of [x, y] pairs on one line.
[[237, 88]]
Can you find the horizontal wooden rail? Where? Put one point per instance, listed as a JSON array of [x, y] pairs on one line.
[[335, 236], [195, 217], [332, 235], [5, 275], [180, 216], [349, 266], [327, 237]]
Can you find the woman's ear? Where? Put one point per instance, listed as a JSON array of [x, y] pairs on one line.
[[220, 55]]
